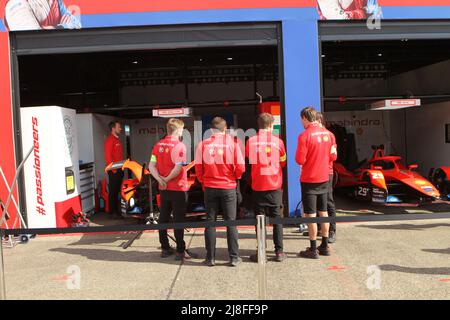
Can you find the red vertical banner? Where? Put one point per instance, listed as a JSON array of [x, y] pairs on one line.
[[7, 160]]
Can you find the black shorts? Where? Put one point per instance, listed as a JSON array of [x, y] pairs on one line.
[[314, 197]]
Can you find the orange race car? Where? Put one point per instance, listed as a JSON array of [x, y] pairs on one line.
[[441, 180], [136, 193], [385, 180]]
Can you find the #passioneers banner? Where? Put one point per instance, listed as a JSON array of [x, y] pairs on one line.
[[67, 14]]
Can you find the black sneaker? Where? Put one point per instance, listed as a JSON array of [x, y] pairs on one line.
[[234, 262], [324, 251], [209, 262], [332, 237], [167, 252], [309, 254], [280, 256]]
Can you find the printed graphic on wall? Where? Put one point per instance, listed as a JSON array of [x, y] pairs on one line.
[[69, 14], [368, 127], [41, 14], [348, 9]]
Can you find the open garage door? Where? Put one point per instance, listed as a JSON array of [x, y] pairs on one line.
[[390, 30], [169, 37], [404, 65], [133, 74]]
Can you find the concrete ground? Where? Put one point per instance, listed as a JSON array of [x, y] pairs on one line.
[[400, 260]]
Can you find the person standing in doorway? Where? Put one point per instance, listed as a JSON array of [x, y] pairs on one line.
[[267, 157], [166, 166], [331, 207], [315, 151], [114, 153], [218, 165]]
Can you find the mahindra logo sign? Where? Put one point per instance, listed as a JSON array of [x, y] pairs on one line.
[[37, 168]]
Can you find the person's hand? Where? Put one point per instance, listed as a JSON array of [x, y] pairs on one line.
[[162, 183]]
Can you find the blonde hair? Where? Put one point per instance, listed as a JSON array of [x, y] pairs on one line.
[[265, 120], [174, 124], [219, 123]]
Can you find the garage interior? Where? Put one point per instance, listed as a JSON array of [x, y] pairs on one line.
[[127, 85], [356, 74]]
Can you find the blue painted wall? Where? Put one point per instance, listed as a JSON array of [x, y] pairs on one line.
[[302, 88]]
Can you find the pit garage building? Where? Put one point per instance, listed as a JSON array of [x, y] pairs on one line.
[[125, 59]]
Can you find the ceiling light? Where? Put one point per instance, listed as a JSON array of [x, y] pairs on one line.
[[135, 62], [229, 58], [380, 54]]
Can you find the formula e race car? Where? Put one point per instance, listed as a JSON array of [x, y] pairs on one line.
[[136, 193], [385, 180], [441, 180]]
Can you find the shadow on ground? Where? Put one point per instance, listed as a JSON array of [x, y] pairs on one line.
[[429, 271], [440, 251], [151, 256], [87, 239]]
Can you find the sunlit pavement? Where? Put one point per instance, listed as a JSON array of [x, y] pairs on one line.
[[401, 260]]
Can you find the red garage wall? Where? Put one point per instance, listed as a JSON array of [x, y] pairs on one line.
[[7, 161]]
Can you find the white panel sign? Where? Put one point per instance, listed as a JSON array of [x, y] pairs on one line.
[[53, 132]]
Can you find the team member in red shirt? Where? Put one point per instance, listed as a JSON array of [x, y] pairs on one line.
[[166, 166], [267, 157], [114, 153], [331, 207], [218, 164], [315, 151]]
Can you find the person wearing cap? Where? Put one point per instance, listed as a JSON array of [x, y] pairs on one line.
[[267, 156], [218, 165]]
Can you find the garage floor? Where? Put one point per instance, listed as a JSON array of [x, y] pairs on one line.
[[346, 205], [412, 257]]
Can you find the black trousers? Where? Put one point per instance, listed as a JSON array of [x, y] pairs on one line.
[[226, 200], [173, 202], [331, 207], [270, 203], [114, 185]]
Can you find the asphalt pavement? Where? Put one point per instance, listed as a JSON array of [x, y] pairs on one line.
[[395, 260]]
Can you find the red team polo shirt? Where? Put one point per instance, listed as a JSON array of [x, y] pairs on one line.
[[113, 149], [219, 162], [333, 158], [267, 157], [314, 154], [167, 153]]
